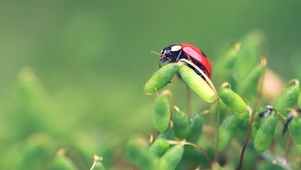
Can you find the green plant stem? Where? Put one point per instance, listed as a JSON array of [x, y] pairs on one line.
[[260, 84], [288, 146], [246, 142], [96, 159], [217, 131]]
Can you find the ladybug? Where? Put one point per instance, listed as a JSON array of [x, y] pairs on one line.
[[175, 52]]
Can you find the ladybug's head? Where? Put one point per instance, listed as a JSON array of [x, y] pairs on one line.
[[170, 53], [165, 54]]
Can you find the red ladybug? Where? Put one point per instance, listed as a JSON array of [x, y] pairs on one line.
[[174, 53]]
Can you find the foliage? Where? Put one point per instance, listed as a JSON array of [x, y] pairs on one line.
[[242, 106], [71, 76]]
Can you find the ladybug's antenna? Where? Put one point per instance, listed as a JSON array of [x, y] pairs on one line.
[[154, 52]]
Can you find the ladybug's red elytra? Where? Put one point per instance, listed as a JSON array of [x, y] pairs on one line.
[[175, 52]]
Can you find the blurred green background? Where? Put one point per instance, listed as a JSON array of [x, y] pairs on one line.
[[72, 72]]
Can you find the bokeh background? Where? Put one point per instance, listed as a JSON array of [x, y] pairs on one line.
[[72, 72]]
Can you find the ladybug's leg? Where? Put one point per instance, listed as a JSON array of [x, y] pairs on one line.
[[188, 58], [178, 57], [163, 60]]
